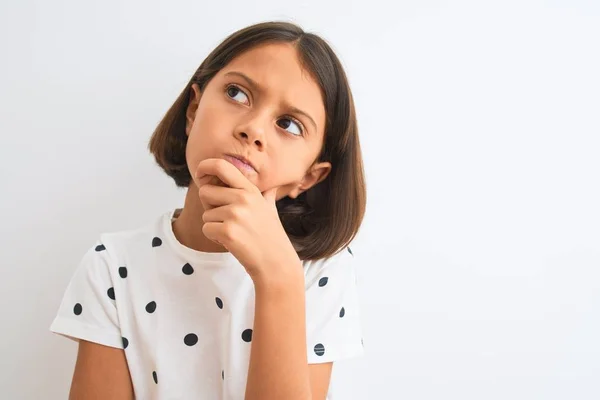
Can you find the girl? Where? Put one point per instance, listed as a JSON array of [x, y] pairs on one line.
[[249, 290]]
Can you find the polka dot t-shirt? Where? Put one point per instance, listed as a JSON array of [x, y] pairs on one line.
[[184, 318]]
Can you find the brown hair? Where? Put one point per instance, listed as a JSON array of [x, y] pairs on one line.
[[324, 219]]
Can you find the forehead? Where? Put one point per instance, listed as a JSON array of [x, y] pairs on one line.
[[277, 69]]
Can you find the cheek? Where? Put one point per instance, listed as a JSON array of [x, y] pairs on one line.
[[283, 171], [202, 124], [204, 135], [191, 157], [209, 118], [196, 146]]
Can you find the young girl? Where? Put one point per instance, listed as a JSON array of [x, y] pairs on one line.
[[249, 290]]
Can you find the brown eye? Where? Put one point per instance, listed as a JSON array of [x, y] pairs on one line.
[[289, 121], [233, 91]]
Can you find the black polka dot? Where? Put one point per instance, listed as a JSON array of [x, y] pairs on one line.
[[77, 309], [319, 349], [187, 269], [350, 251], [222, 374], [190, 339], [361, 342], [100, 247], [156, 242], [123, 272], [111, 293], [247, 335], [323, 281], [125, 342], [342, 312], [155, 377], [219, 302], [151, 307]]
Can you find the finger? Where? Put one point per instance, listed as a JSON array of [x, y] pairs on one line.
[[219, 232], [200, 184], [224, 213], [217, 182], [209, 179], [216, 196], [213, 231], [225, 171], [205, 181]]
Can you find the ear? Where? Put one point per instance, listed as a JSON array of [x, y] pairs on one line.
[[190, 112], [317, 173]]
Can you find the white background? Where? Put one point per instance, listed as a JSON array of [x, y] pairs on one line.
[[480, 125]]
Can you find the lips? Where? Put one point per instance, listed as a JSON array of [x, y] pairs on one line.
[[240, 162]]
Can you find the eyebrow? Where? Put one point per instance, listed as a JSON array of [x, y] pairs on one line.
[[257, 87]]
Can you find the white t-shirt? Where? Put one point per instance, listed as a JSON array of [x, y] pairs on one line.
[[185, 317]]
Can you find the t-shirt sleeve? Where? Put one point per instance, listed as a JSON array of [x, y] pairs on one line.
[[88, 310], [333, 324]]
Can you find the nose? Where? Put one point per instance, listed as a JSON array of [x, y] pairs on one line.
[[253, 133], [252, 139]]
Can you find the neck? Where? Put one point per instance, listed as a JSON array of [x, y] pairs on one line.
[[188, 226]]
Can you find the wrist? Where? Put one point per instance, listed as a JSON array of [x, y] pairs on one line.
[[283, 277]]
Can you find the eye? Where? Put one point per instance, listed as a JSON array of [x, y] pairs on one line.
[[233, 91], [291, 121]]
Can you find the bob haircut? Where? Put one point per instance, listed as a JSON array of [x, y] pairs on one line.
[[323, 220]]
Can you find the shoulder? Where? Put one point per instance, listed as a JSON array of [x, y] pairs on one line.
[[340, 265], [119, 244]]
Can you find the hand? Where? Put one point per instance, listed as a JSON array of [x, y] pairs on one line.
[[244, 220]]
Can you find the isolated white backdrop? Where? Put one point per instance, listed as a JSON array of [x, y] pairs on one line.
[[480, 253]]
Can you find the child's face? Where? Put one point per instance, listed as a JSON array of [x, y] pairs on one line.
[[232, 116]]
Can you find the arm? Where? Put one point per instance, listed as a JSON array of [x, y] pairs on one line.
[[278, 361], [101, 372]]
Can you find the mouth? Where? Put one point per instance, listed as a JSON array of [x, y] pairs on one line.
[[241, 162]]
